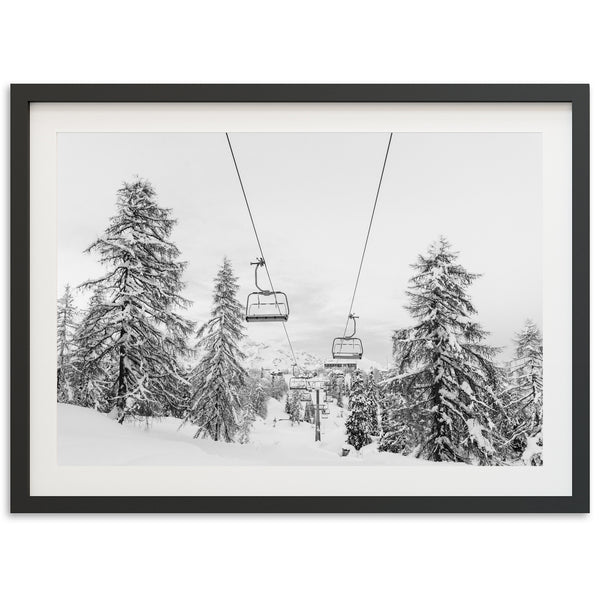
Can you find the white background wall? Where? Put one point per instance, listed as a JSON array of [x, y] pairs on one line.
[[296, 556]]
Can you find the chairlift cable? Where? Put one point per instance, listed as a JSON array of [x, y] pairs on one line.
[[262, 254], [362, 258]]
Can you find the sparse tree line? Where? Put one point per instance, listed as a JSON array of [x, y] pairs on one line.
[[132, 354]]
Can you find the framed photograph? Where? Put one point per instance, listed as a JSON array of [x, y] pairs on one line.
[[300, 298]]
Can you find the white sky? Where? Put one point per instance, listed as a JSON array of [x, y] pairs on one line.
[[312, 195]]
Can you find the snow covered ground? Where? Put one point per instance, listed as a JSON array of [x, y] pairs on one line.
[[86, 437]]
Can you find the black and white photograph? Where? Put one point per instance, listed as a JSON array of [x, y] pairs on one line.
[[300, 299]]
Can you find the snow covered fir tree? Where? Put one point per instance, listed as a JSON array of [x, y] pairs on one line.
[[133, 331], [293, 405], [219, 377], [445, 373], [372, 398], [523, 397], [94, 369], [256, 396], [360, 421], [65, 330], [126, 349]]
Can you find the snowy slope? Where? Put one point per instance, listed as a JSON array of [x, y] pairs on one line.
[[86, 437]]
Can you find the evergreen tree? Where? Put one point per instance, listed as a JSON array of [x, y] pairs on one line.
[[372, 399], [404, 424], [219, 378], [288, 403], [309, 411], [95, 373], [358, 424], [336, 387], [277, 388], [525, 396], [65, 329], [246, 423], [445, 371], [294, 405], [257, 396], [254, 404], [143, 335], [395, 431]]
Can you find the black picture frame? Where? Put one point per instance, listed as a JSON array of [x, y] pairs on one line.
[[22, 95]]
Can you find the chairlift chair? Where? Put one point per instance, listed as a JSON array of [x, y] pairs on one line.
[[348, 346], [265, 305], [298, 381]]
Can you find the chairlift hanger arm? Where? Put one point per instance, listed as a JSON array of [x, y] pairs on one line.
[[260, 262], [352, 317]]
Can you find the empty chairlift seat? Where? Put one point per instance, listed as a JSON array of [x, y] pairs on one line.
[[266, 305], [348, 347], [298, 380], [298, 383]]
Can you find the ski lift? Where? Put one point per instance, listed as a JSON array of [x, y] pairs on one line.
[[266, 305], [305, 396], [298, 381], [348, 346]]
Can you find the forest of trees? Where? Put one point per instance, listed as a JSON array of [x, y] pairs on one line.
[[131, 353]]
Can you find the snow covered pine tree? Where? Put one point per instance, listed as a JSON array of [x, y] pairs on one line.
[[445, 371], [525, 396], [65, 329], [219, 378], [256, 395], [372, 398], [359, 422], [94, 371], [137, 324], [293, 406]]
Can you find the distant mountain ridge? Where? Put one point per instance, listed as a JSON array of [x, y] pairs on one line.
[[271, 357]]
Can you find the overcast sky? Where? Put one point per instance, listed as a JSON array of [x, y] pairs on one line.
[[312, 195]]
